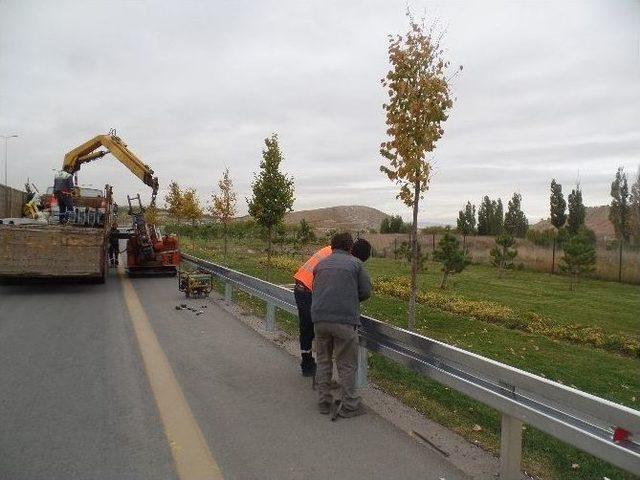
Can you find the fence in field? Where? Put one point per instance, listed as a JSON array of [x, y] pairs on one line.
[[530, 255], [597, 426]]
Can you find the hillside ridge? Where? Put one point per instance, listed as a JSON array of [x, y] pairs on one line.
[[596, 218]]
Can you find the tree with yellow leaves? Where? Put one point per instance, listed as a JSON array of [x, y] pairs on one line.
[[223, 205], [191, 209], [419, 99], [174, 202]]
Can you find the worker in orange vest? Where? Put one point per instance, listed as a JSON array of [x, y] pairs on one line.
[[302, 293]]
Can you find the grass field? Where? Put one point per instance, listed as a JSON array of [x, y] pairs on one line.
[[611, 306]]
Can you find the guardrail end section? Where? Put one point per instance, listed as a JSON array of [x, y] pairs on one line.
[[510, 448], [228, 292], [270, 324]]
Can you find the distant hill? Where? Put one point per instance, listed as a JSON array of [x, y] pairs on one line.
[[597, 219], [344, 217]]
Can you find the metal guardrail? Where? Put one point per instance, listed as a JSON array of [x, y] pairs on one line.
[[602, 428]]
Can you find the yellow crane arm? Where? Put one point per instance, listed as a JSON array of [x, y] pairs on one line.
[[87, 152]]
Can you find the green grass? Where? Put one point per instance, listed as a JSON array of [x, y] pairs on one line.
[[595, 303], [608, 305]]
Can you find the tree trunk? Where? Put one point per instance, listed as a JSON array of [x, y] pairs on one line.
[[269, 229], [443, 284], [553, 257], [620, 263], [224, 234], [411, 310]]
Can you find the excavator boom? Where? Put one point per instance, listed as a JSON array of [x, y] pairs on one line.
[[86, 152]]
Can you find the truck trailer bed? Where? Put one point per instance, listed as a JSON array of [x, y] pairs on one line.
[[52, 252]]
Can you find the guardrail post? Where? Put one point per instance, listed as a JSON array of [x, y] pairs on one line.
[[363, 368], [270, 324], [510, 448], [228, 292]]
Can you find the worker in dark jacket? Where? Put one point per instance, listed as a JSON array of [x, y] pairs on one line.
[[114, 244], [62, 190], [340, 284], [303, 296]]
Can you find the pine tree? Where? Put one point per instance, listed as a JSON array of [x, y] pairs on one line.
[[466, 224], [635, 209], [304, 234], [174, 202], [620, 212], [503, 255], [452, 257], [579, 258], [384, 225], [272, 192], [497, 220], [419, 100], [577, 213], [485, 214], [515, 222], [558, 207], [223, 205]]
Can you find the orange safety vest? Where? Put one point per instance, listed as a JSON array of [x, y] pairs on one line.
[[304, 275]]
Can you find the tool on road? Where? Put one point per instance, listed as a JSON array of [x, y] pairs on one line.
[[195, 284]]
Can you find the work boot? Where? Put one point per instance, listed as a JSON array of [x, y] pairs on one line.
[[324, 408], [308, 365], [345, 413]]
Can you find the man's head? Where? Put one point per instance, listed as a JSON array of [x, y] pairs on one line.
[[361, 249], [342, 241]]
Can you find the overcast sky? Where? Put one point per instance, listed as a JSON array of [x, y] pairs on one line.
[[549, 89]]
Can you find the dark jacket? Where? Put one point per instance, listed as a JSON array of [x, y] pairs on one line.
[[340, 283], [114, 239], [62, 184]]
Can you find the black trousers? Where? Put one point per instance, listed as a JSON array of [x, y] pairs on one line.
[[113, 252], [303, 301]]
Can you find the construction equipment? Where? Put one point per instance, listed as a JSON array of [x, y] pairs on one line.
[[78, 249], [114, 145], [149, 252], [195, 284]]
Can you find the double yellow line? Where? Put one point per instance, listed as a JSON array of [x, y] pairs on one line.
[[191, 454]]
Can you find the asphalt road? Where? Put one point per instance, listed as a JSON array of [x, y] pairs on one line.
[[110, 381]]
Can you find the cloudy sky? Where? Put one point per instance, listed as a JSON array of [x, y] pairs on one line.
[[549, 89]]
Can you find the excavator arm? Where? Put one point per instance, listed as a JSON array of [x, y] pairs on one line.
[[88, 152]]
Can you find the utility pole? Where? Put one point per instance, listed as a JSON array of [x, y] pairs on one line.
[[6, 168]]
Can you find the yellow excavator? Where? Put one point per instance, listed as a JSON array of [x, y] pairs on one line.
[[86, 152], [148, 252]]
